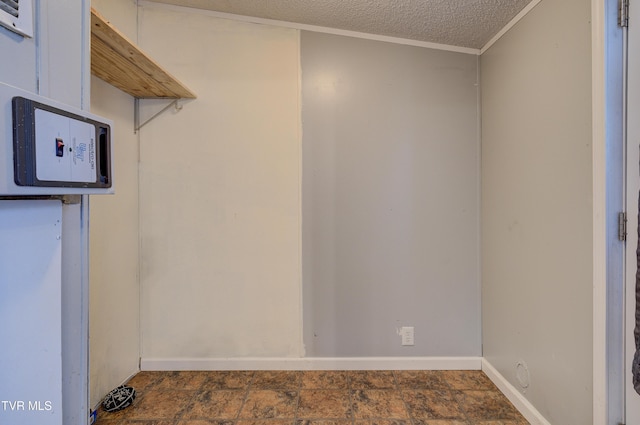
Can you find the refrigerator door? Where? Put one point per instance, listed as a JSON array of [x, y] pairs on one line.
[[31, 312]]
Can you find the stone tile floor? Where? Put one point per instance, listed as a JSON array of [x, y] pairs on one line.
[[315, 398]]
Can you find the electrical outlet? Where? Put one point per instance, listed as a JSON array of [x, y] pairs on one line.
[[406, 332]]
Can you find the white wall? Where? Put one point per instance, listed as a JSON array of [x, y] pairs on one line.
[[122, 14], [390, 198], [220, 191], [537, 208], [114, 234]]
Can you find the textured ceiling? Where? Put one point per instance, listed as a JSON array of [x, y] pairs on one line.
[[464, 23]]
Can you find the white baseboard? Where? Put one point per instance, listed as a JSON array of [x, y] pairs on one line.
[[314, 363], [515, 397]]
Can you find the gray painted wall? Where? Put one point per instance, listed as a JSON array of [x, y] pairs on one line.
[[537, 208], [390, 199]]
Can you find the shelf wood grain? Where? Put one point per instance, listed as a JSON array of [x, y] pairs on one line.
[[119, 62]]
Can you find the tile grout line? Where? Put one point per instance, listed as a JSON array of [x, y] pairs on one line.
[[401, 394], [191, 403], [458, 403], [246, 396], [352, 412], [295, 413]]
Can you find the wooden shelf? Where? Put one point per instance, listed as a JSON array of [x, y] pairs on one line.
[[119, 62]]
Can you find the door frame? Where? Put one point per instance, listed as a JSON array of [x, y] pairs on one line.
[[608, 61], [632, 400]]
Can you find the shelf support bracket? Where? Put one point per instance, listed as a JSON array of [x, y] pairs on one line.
[[138, 125]]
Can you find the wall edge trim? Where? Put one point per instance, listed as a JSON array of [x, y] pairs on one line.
[[312, 363], [519, 401], [316, 28], [599, 211], [528, 8]]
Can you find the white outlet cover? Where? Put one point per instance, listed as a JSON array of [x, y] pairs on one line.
[[406, 332]]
